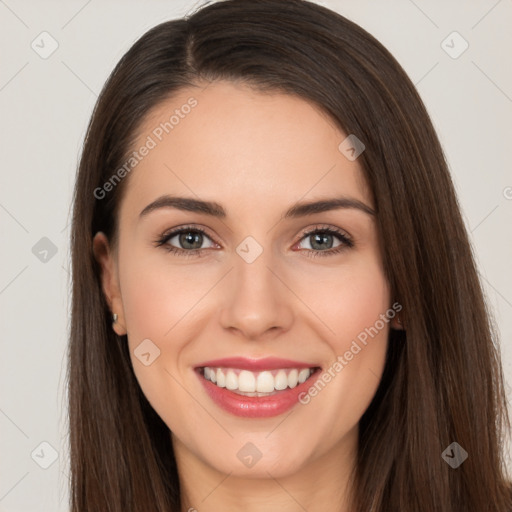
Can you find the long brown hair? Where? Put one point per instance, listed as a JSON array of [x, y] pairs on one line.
[[443, 380]]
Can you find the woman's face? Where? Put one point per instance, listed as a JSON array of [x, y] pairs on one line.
[[263, 305]]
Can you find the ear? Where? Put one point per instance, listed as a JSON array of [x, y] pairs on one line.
[[398, 322], [106, 258]]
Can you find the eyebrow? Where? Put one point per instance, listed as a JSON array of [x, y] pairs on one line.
[[216, 210]]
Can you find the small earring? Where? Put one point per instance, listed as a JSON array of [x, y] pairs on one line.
[[114, 318], [397, 319]]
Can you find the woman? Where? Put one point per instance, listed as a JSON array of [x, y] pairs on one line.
[[275, 304]]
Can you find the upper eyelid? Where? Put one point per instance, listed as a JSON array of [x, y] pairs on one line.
[[171, 233], [321, 227]]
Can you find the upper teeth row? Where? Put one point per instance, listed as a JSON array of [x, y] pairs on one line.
[[263, 382]]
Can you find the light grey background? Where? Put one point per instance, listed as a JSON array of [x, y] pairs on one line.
[[46, 104]]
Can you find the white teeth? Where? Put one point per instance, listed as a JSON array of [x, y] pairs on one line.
[[303, 375], [281, 380], [257, 383], [265, 383], [231, 380], [293, 378], [246, 382], [220, 377]]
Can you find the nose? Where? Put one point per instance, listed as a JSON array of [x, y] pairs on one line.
[[257, 303]]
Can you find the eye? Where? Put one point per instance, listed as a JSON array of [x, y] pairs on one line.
[[321, 241], [187, 241]]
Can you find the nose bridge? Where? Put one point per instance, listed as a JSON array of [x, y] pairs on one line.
[[256, 300], [251, 272]]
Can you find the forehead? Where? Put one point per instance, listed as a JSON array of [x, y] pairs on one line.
[[230, 143]]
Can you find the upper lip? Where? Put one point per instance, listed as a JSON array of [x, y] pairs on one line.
[[266, 363]]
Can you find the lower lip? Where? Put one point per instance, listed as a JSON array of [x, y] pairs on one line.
[[253, 406]]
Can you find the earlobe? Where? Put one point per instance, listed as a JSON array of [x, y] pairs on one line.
[[109, 280], [398, 322]]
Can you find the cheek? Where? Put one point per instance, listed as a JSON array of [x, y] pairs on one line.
[[157, 298], [363, 303], [160, 303], [355, 305], [347, 301], [155, 306]]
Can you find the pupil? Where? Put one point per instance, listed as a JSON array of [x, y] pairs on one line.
[[323, 239], [190, 238]]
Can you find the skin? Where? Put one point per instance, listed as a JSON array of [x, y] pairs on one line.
[[255, 154]]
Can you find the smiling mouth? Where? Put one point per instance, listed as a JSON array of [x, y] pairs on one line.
[[257, 384]]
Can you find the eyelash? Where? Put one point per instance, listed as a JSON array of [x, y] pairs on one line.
[[164, 238]]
